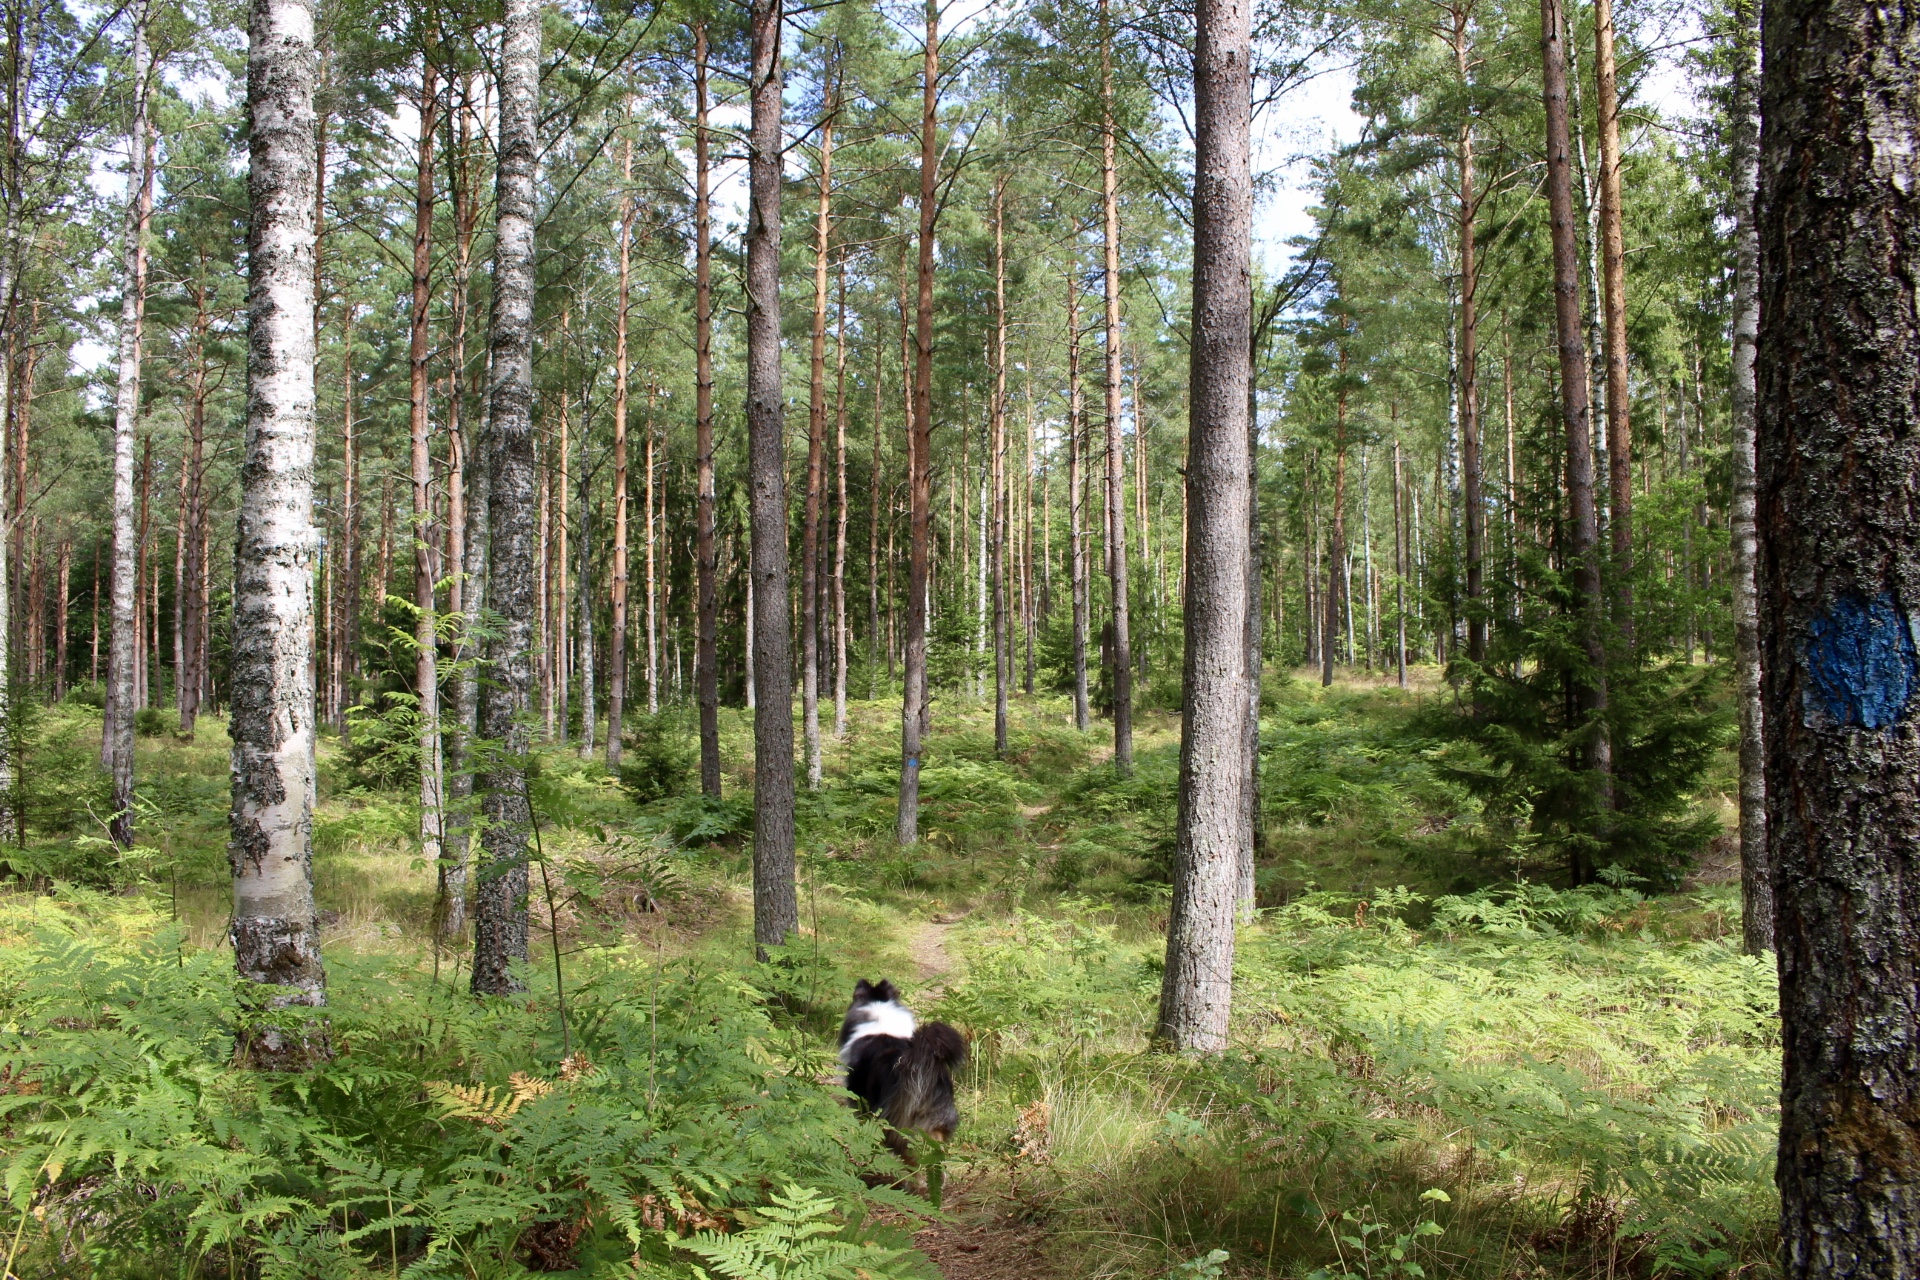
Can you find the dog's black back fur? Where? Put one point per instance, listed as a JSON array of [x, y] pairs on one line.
[[908, 1082]]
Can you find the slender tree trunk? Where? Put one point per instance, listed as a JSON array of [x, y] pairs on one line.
[[1839, 409], [1583, 533], [1756, 868], [653, 593], [840, 515], [776, 911], [1246, 891], [1613, 293], [1461, 16], [1337, 534], [426, 679], [349, 567], [122, 655], [1400, 567], [810, 532], [275, 929], [143, 521], [706, 666], [1076, 502], [500, 879], [561, 498], [1028, 600], [997, 471], [1116, 449], [617, 638], [60, 620], [873, 535], [1212, 828], [913, 714]]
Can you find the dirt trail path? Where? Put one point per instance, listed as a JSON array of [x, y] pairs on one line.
[[983, 1241], [931, 960]]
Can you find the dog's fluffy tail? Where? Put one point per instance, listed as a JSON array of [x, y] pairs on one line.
[[924, 1097], [938, 1043]]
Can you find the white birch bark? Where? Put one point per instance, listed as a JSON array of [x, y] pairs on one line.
[[117, 735], [275, 932], [500, 876]]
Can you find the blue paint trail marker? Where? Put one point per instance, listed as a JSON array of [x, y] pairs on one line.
[[913, 762], [1861, 666]]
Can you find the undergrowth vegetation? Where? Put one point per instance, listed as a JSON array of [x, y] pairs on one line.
[[1447, 1061]]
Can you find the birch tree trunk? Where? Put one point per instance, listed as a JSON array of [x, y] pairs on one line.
[[121, 699], [913, 709], [426, 652], [1213, 829], [1756, 868], [1839, 414], [706, 665], [776, 910], [1583, 533], [997, 473], [275, 930], [1116, 548], [500, 874]]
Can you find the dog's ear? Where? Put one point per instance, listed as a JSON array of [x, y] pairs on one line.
[[863, 992], [885, 992]]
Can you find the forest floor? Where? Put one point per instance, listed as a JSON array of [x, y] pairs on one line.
[[1438, 1068]]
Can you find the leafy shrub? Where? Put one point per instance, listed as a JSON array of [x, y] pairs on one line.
[[153, 722]]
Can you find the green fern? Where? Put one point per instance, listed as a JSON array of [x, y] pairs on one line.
[[797, 1238]]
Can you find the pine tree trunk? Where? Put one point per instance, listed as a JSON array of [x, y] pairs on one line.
[[117, 736], [913, 712], [1756, 867], [706, 665], [840, 515], [1076, 502], [1213, 830], [776, 911], [1583, 532], [617, 638], [500, 878], [1116, 531], [810, 532], [1613, 279], [275, 929], [426, 656], [1839, 410]]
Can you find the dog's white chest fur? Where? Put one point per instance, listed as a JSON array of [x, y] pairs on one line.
[[884, 1018]]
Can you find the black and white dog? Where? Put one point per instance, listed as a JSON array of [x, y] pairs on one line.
[[901, 1069]]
